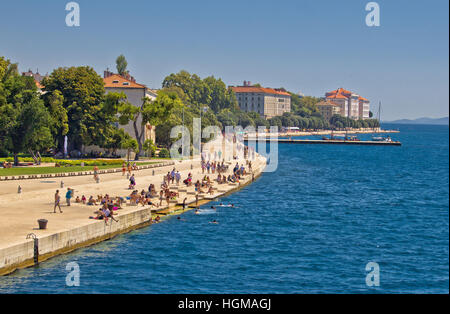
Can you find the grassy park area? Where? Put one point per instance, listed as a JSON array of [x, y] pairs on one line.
[[18, 171]]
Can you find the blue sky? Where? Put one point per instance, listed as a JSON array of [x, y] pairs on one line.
[[312, 46]]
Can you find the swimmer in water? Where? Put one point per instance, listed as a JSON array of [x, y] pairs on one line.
[[214, 222], [196, 211], [212, 207]]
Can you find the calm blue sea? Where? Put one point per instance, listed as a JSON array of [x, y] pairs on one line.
[[310, 227]]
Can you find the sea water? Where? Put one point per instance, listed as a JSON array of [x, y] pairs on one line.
[[310, 227]]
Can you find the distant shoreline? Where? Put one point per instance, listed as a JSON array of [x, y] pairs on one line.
[[421, 121], [340, 132]]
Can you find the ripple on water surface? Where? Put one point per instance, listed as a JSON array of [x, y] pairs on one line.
[[310, 227]]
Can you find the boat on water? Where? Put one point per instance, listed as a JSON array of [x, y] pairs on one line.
[[379, 138], [382, 139], [340, 138]]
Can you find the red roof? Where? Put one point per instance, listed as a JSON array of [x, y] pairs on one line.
[[118, 81], [39, 85], [254, 89], [341, 93], [337, 96]]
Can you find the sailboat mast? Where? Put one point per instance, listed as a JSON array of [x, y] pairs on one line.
[[379, 112], [379, 115]]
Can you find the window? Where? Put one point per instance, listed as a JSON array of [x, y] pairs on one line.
[[126, 83], [115, 81]]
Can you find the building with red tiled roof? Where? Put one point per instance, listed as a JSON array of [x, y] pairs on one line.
[[328, 108], [352, 105], [268, 102], [135, 93]]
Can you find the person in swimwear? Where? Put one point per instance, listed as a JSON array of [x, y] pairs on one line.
[[184, 203], [57, 202]]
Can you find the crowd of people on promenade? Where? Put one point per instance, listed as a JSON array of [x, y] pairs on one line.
[[152, 197]]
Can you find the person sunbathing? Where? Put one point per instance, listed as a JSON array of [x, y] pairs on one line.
[[83, 199], [91, 201], [134, 198], [107, 213], [118, 202], [149, 202], [78, 200]]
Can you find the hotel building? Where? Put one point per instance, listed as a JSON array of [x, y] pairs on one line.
[[267, 102], [352, 105], [328, 109]]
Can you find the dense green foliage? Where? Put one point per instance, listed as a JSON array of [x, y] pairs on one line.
[[25, 122], [74, 104], [121, 65], [164, 153], [78, 95]]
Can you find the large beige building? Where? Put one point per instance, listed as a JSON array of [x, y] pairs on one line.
[[268, 102], [135, 94], [328, 109], [352, 105]]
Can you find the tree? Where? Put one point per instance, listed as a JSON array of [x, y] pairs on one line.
[[24, 120], [197, 90], [131, 145], [154, 112], [82, 93], [121, 65], [210, 92], [227, 118], [149, 147], [30, 130], [276, 121], [258, 120], [221, 97], [116, 140]]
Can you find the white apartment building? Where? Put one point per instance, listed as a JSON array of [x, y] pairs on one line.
[[352, 105]]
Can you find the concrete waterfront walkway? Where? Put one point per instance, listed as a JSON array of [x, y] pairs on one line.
[[73, 228]]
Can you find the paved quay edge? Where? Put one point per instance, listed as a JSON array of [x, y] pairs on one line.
[[21, 255]]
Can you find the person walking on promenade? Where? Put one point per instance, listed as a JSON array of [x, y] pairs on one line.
[[57, 202], [132, 182], [123, 169], [96, 178], [69, 196], [178, 177]]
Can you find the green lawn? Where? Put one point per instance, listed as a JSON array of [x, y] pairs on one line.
[[47, 170]]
